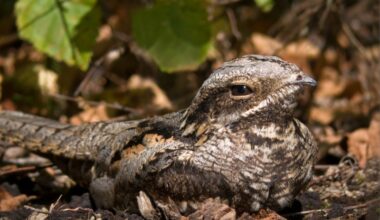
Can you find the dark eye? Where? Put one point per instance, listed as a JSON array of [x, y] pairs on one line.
[[240, 90]]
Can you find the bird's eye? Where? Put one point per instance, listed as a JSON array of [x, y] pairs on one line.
[[240, 90]]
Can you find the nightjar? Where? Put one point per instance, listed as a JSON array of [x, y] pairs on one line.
[[243, 120], [237, 140]]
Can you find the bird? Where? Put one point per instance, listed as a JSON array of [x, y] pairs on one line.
[[237, 140]]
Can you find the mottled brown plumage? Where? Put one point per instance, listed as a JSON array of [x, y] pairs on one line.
[[237, 140]]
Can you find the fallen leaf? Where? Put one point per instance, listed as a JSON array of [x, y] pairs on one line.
[[374, 136], [330, 55], [264, 44], [330, 84], [90, 114], [263, 214], [364, 143], [9, 202], [299, 52], [358, 142], [214, 209], [302, 48], [160, 100], [8, 104], [322, 115]]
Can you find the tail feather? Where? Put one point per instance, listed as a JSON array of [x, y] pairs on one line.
[[41, 135]]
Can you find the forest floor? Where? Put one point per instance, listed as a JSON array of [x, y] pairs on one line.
[[337, 43]]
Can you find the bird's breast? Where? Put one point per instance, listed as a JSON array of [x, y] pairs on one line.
[[266, 165]]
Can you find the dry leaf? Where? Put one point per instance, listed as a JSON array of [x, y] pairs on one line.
[[91, 114], [267, 45], [330, 84], [264, 44], [8, 104], [298, 52], [365, 143], [331, 56], [358, 143], [374, 136], [214, 209], [160, 100], [9, 202], [302, 48], [322, 115], [263, 214]]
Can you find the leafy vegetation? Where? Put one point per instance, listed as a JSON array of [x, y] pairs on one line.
[[176, 34], [65, 30], [265, 5]]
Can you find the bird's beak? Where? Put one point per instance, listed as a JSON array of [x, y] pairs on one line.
[[305, 80]]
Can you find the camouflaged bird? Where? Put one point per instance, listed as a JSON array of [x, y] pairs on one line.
[[238, 140]]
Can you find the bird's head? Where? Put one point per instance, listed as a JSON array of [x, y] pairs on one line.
[[252, 87]]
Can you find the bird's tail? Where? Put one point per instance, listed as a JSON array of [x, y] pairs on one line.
[[39, 134]]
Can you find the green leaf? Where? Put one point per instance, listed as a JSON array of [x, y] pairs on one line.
[[265, 5], [176, 34], [63, 29]]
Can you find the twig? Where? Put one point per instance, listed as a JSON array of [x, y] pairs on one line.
[[323, 166], [325, 13], [95, 71], [353, 39], [98, 69], [363, 205], [93, 103], [233, 24], [55, 204], [77, 209], [36, 210], [18, 170]]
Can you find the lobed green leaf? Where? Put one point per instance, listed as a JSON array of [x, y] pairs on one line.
[[64, 29], [176, 34]]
